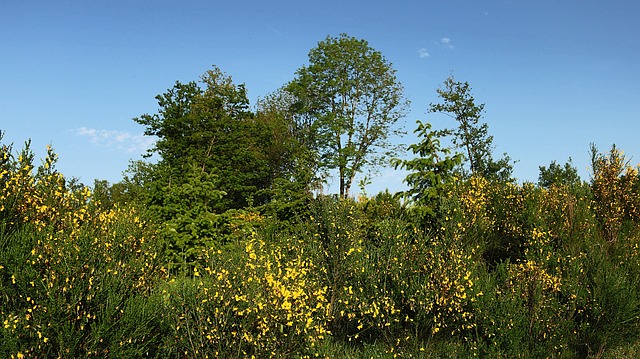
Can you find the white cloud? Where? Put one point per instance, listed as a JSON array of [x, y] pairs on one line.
[[446, 42], [423, 53], [120, 140]]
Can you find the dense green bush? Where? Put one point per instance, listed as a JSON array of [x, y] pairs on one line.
[[499, 270]]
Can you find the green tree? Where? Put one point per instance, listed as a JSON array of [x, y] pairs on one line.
[[352, 99], [285, 138], [471, 136], [431, 171], [135, 188], [558, 175], [292, 139], [212, 128], [188, 215]]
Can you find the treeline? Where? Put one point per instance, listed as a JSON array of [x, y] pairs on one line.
[[221, 246]]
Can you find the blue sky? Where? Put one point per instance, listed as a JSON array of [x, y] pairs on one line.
[[555, 75]]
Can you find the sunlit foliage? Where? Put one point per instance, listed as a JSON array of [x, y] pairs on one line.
[[500, 270]]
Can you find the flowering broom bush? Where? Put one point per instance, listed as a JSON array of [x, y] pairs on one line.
[[70, 275], [500, 270]]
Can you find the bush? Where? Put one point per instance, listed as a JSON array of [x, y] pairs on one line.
[[70, 272], [501, 270]]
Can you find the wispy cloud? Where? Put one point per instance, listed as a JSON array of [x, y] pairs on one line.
[[446, 42], [423, 53], [120, 140], [274, 29]]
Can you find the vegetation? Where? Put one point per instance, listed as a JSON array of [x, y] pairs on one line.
[[220, 249], [353, 99], [558, 175], [432, 170], [470, 136]]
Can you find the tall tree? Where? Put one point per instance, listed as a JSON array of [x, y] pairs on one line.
[[471, 136], [209, 127], [293, 138], [350, 93]]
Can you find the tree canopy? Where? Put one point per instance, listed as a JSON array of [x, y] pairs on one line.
[[556, 174], [209, 125], [353, 99], [471, 136]]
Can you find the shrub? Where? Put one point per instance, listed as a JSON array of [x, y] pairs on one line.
[[69, 272], [614, 185]]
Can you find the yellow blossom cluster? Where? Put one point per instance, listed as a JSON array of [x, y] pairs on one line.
[[80, 262], [450, 287], [263, 302], [616, 192], [503, 269], [42, 196]]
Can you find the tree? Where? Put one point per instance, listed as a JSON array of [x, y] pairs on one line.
[[212, 128], [470, 135], [285, 138], [431, 171], [292, 137], [558, 175], [352, 99], [216, 159], [188, 214]]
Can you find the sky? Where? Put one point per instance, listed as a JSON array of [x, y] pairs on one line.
[[554, 75]]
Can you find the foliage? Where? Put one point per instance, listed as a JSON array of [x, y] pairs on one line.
[[292, 155], [187, 214], [220, 249], [216, 158], [558, 175], [254, 299], [136, 188], [504, 270], [615, 187], [470, 135], [213, 129], [293, 139], [74, 278], [351, 94], [432, 172]]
